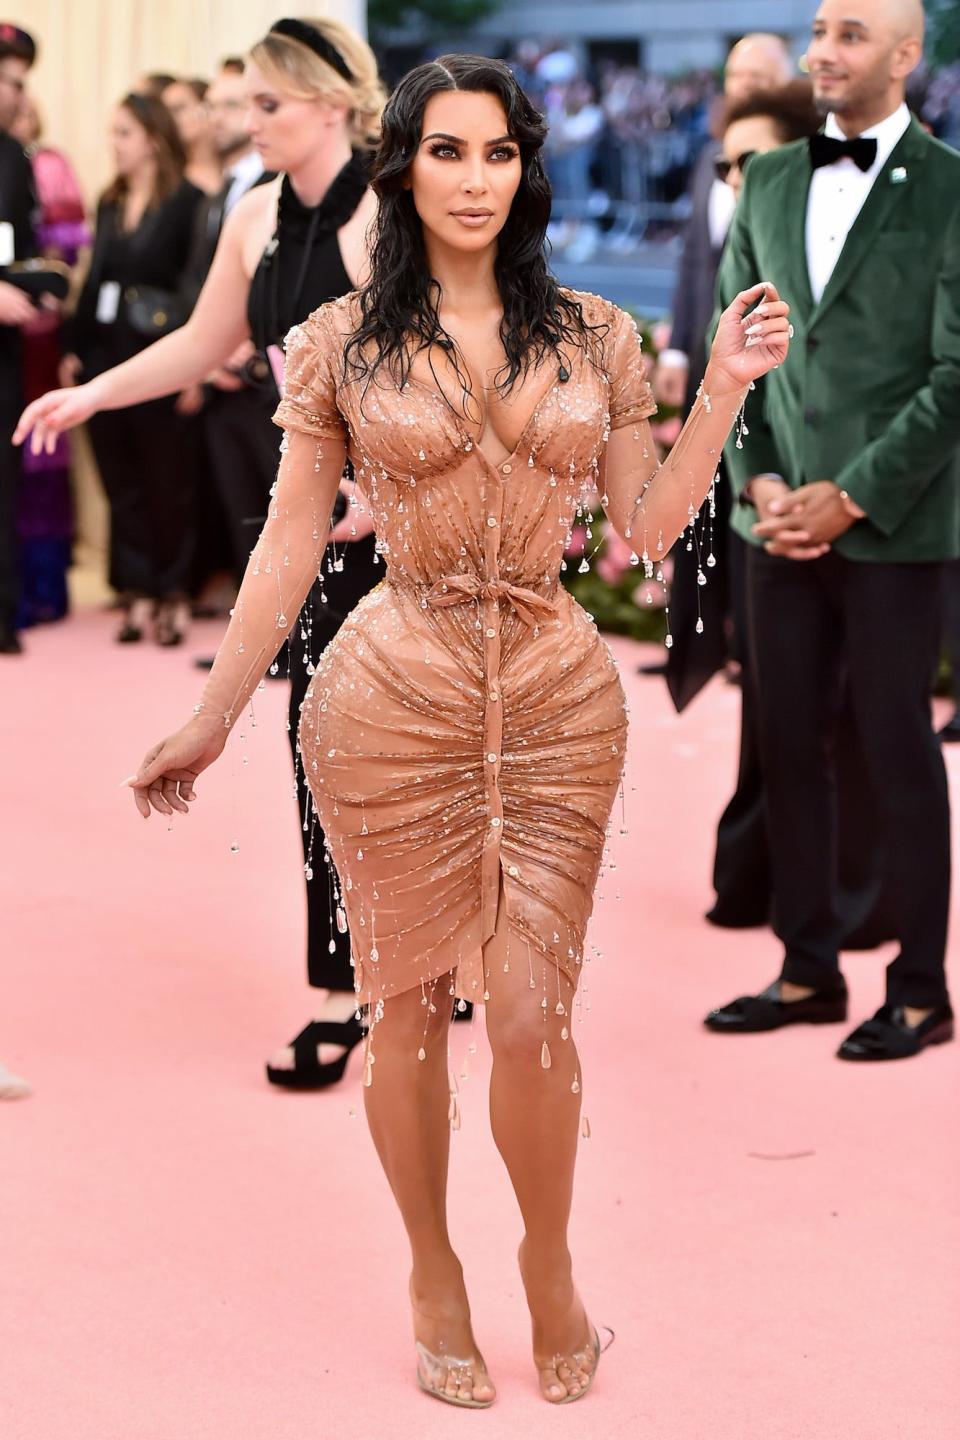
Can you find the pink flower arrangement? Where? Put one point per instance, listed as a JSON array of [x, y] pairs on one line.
[[615, 560], [577, 542]]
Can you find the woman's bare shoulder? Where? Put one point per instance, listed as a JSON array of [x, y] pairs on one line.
[[259, 202], [252, 221]]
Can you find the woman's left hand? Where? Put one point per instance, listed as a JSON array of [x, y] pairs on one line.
[[751, 339]]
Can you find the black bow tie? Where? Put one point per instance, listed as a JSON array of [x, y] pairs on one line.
[[825, 150]]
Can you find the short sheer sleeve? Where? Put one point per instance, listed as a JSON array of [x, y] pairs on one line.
[[309, 401], [631, 398]]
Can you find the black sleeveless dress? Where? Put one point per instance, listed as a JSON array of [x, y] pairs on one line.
[[300, 270]]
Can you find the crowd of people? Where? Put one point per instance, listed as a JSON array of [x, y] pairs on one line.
[[620, 145], [417, 307]]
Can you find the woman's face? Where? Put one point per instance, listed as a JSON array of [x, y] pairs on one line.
[[286, 131], [466, 169], [132, 147], [190, 114], [26, 127], [744, 137]]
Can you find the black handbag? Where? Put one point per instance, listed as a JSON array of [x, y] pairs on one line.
[[153, 312]]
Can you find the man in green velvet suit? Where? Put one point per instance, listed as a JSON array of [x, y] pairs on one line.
[[849, 490]]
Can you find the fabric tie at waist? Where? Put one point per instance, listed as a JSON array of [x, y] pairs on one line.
[[455, 589], [531, 608]]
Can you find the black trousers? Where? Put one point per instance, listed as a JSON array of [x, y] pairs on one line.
[[242, 447], [741, 872], [951, 621], [10, 476], [814, 624], [147, 458], [328, 951]]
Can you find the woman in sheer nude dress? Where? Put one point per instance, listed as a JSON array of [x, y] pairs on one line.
[[464, 733]]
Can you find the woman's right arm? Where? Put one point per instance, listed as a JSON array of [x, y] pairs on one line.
[[279, 574], [215, 329], [281, 569]]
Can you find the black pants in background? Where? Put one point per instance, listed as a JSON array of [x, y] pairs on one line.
[[813, 623], [147, 458], [951, 622], [242, 447], [10, 478], [741, 872], [344, 589]]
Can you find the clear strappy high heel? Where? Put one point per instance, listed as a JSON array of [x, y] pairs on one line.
[[435, 1371], [578, 1361]]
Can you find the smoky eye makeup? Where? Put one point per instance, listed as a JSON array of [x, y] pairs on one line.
[[443, 148]]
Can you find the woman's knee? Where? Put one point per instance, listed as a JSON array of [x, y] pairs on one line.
[[517, 1032], [416, 1016]]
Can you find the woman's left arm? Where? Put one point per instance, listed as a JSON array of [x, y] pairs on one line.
[[648, 503]]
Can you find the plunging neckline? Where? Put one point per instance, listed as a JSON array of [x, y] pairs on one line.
[[434, 389]]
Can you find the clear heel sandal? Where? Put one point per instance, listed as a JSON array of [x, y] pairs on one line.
[[434, 1372], [580, 1360]]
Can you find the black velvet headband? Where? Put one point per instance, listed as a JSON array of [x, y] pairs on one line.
[[310, 36]]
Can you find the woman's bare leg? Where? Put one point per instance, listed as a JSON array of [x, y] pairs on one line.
[[407, 1108], [535, 1116]]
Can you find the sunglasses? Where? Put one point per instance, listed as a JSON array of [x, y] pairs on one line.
[[722, 166]]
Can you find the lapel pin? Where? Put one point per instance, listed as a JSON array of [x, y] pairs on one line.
[[898, 175]]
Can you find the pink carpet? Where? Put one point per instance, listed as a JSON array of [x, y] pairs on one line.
[[187, 1254]]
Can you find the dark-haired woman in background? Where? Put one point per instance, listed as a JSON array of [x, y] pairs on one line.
[[187, 102], [464, 733], [145, 226]]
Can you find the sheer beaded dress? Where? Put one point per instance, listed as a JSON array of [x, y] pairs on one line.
[[464, 734]]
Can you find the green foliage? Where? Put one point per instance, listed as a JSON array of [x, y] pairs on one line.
[[384, 16], [613, 606]]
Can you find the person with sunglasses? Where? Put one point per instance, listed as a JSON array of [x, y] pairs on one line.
[[760, 122]]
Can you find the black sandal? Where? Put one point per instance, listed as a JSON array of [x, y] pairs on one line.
[[169, 626], [307, 1072]]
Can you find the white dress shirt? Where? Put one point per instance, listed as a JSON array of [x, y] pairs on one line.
[[721, 203], [837, 195], [242, 176]]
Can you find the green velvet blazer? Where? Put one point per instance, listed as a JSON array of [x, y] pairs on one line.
[[869, 396]]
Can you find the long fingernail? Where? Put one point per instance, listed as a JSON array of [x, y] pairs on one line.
[[754, 340], [130, 780], [753, 330]]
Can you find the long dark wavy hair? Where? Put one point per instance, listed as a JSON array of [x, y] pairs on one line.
[[161, 127], [400, 303]]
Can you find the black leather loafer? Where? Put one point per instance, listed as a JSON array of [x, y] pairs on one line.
[[888, 1036], [766, 1011]]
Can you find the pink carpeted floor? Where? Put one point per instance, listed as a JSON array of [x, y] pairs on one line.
[[187, 1255]]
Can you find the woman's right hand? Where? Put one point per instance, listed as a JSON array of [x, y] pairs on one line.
[[55, 412], [168, 772]]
